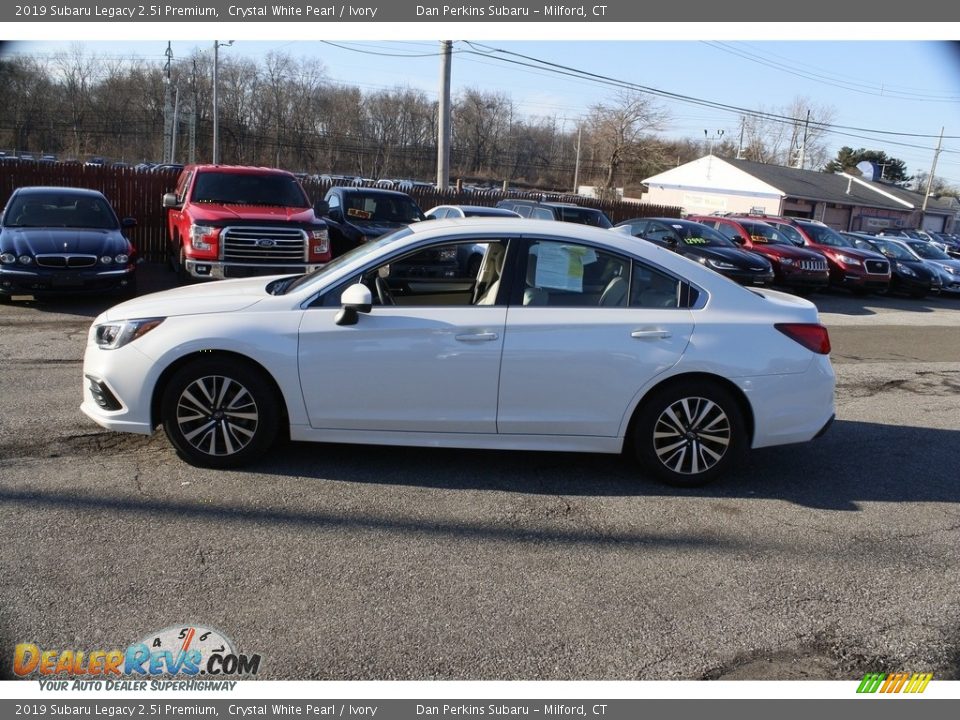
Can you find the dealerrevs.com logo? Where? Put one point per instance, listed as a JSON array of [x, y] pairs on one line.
[[189, 651], [899, 682]]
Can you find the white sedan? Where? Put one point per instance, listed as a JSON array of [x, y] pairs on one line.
[[568, 338]]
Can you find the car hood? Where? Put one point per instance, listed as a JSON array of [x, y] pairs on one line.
[[225, 214], [741, 258], [205, 298], [787, 251], [375, 228], [42, 241]]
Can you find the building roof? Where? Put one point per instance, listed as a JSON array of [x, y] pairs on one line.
[[820, 186], [935, 205]]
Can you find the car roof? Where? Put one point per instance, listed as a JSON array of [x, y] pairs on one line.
[[46, 189], [239, 169], [368, 190]]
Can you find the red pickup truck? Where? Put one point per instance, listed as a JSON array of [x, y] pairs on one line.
[[230, 221]]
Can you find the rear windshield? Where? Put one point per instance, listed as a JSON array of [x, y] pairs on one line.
[[273, 190], [583, 216]]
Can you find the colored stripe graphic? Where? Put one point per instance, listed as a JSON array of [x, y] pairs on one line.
[[871, 682], [894, 682]]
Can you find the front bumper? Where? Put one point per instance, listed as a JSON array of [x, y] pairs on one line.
[[117, 388], [50, 281], [218, 270], [748, 278]]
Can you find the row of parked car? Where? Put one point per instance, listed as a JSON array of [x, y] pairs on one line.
[[227, 221]]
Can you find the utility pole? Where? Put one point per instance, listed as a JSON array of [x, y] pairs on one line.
[[216, 129], [803, 147], [167, 120], [743, 124], [443, 128], [933, 170], [176, 120], [576, 168]]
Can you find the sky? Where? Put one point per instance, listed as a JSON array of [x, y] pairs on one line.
[[888, 95]]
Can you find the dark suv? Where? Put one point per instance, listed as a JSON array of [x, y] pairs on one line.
[[565, 212], [861, 271], [356, 215]]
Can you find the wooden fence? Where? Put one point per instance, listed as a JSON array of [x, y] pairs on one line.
[[137, 194]]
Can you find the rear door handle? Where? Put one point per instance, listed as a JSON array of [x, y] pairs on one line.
[[653, 333], [477, 337]]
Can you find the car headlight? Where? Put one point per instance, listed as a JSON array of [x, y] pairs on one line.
[[786, 261], [121, 259], [721, 265], [908, 271], [950, 270], [25, 259], [106, 260], [8, 258], [202, 237], [847, 260], [113, 335]]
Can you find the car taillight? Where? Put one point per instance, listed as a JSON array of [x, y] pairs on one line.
[[812, 336], [319, 244]]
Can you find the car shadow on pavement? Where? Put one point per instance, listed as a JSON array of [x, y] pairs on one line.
[[869, 305], [854, 462]]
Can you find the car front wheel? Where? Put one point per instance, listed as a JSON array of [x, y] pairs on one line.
[[687, 434], [219, 413]]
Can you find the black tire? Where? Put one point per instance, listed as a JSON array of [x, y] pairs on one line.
[[918, 294], [220, 413], [183, 275], [668, 436]]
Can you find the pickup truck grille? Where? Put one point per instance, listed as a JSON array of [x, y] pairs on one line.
[[880, 267], [267, 245]]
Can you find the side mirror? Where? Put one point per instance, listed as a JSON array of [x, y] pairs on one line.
[[128, 222], [355, 299], [170, 200], [738, 240], [321, 208]]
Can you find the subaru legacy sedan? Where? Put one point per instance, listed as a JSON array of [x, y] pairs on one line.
[[568, 338]]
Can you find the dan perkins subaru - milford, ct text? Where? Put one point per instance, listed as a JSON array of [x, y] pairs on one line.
[[507, 11]]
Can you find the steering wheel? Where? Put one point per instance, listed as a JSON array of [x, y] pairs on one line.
[[383, 292]]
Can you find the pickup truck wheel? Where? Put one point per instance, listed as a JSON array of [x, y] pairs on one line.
[[219, 413], [183, 275]]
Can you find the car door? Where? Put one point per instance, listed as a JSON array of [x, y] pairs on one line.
[[429, 362], [585, 333]]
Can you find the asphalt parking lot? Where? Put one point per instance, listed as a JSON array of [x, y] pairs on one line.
[[347, 562]]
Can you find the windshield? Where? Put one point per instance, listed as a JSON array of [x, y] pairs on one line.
[[892, 249], [700, 235], [380, 207], [763, 233], [357, 253], [792, 234], [928, 251], [823, 235], [224, 188], [583, 216], [60, 210]]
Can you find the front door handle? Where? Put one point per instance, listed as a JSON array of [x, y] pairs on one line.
[[477, 337], [652, 333]]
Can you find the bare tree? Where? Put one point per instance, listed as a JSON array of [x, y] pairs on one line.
[[620, 132]]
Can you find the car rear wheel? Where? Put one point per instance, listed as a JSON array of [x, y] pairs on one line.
[[688, 433], [219, 413]]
